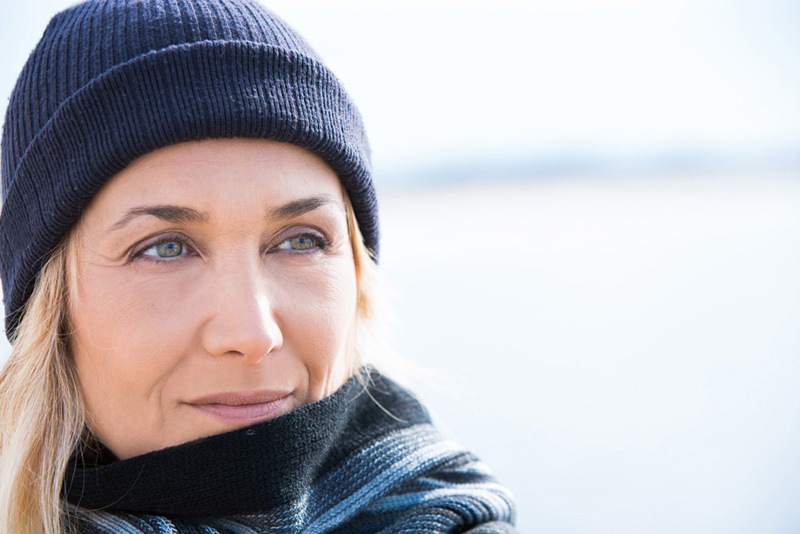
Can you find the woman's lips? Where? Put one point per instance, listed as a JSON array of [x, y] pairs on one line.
[[244, 407]]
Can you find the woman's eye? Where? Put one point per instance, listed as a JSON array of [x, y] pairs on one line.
[[299, 243], [166, 249]]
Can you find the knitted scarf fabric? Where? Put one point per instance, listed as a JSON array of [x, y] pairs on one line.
[[361, 460]]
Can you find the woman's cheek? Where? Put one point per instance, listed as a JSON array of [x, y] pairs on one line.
[[325, 296], [321, 324], [139, 322]]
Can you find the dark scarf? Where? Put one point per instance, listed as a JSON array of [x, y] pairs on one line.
[[361, 460]]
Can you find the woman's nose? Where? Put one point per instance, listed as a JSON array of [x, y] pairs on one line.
[[241, 320]]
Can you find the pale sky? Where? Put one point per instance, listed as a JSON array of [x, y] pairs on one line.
[[446, 80]]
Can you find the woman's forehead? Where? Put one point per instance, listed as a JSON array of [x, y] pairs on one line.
[[207, 175]]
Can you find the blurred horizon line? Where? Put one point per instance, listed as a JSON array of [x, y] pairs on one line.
[[520, 166]]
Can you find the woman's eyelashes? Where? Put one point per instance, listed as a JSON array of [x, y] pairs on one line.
[[172, 247]]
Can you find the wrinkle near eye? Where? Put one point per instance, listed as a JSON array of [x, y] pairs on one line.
[[101, 255]]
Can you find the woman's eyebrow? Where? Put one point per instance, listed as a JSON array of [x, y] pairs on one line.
[[169, 213], [182, 214], [299, 207]]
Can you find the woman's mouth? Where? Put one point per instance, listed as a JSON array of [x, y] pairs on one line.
[[248, 407]]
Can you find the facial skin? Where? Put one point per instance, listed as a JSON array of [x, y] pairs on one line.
[[215, 289]]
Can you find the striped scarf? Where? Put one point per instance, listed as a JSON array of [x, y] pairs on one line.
[[365, 459]]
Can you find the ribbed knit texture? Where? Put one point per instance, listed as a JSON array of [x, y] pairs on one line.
[[111, 80], [358, 462]]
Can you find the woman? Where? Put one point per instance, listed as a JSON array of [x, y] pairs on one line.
[[188, 235]]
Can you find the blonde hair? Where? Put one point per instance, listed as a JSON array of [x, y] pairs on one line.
[[370, 344], [41, 413], [42, 418]]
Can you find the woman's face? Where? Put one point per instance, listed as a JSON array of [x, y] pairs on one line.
[[215, 289]]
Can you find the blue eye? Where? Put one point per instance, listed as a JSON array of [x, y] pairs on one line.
[[299, 243], [170, 248]]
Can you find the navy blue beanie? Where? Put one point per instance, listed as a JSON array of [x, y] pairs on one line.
[[112, 80]]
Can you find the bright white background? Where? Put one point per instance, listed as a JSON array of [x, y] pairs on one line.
[[590, 213]]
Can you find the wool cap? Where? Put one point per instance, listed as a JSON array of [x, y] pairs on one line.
[[111, 80]]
